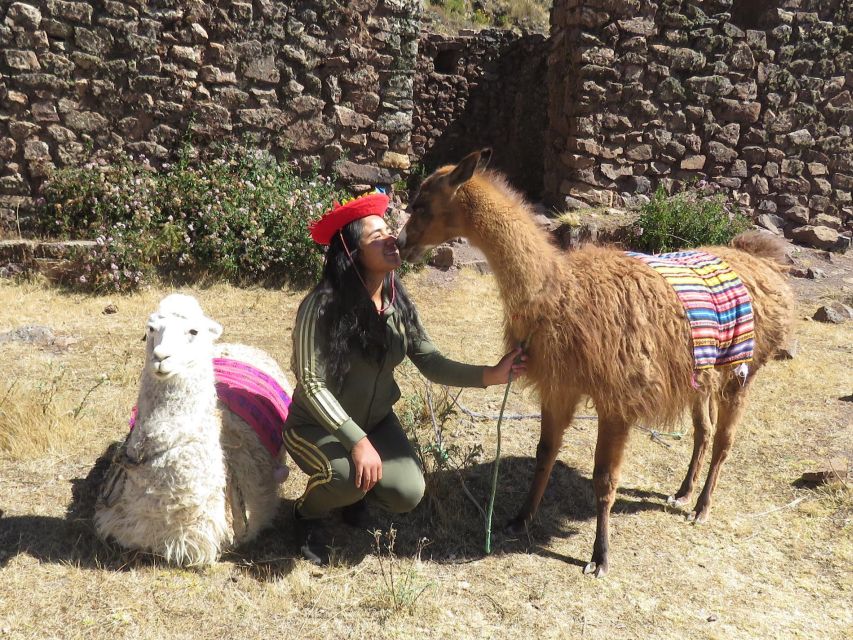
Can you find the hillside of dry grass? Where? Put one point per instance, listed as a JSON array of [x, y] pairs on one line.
[[774, 562], [450, 16]]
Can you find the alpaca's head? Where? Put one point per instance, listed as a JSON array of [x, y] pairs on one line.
[[436, 213], [180, 338]]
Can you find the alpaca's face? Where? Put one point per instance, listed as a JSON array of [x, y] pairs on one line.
[[177, 343], [436, 214]]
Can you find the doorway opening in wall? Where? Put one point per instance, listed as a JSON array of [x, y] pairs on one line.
[[749, 14], [447, 61]]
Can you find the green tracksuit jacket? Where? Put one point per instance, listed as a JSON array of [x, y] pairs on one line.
[[369, 390]]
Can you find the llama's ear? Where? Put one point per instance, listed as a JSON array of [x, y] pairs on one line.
[[215, 329], [463, 171], [485, 157]]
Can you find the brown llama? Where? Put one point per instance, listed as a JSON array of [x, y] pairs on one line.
[[603, 325]]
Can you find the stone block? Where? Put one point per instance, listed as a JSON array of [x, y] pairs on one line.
[[816, 236], [22, 60], [693, 163], [24, 15], [735, 111]]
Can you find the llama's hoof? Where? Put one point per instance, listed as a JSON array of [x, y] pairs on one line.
[[517, 526], [698, 517], [677, 501], [598, 569]]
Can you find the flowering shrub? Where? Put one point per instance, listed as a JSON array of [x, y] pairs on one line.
[[241, 216], [687, 219]]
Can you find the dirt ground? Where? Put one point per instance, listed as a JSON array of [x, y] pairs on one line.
[[775, 561]]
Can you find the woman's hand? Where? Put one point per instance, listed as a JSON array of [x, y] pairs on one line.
[[368, 465], [515, 361]]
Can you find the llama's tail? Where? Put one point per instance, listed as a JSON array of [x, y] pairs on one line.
[[763, 244]]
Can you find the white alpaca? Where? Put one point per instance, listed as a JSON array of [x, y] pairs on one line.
[[192, 479]]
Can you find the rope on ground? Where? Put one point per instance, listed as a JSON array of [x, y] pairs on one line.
[[791, 504], [657, 436], [510, 416], [491, 507]]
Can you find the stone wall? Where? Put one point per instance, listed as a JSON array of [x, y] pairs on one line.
[[484, 89], [328, 82], [752, 97], [645, 94]]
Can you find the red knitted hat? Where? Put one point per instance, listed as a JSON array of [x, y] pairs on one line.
[[340, 215]]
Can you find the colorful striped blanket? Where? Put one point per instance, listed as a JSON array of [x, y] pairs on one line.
[[254, 396], [718, 306]]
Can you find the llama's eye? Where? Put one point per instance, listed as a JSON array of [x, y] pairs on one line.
[[150, 329], [193, 332]]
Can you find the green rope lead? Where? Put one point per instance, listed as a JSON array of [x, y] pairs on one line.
[[495, 467]]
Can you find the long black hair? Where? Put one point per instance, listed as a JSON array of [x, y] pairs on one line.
[[347, 315]]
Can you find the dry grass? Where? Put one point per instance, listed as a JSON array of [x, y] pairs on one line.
[[774, 562], [453, 15]]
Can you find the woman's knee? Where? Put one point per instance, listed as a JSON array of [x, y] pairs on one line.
[[402, 495]]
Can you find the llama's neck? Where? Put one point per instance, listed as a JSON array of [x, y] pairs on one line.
[[186, 398], [526, 265]]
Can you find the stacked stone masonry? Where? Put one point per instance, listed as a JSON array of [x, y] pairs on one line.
[[329, 83], [754, 97], [665, 93], [483, 89]]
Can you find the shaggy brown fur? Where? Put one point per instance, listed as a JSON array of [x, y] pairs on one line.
[[600, 324]]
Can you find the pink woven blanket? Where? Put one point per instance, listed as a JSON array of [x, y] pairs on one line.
[[254, 396]]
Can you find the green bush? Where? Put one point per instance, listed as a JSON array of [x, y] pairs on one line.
[[240, 216], [671, 223]]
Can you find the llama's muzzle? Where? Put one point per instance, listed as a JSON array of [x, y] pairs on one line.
[[407, 251]]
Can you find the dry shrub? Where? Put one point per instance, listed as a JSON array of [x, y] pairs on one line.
[[33, 421]]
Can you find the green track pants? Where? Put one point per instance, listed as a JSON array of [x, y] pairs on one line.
[[331, 481]]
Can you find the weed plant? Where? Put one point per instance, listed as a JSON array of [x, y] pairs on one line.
[[687, 219], [240, 216]]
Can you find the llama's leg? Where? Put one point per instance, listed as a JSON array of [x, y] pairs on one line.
[[703, 407], [550, 437], [609, 449], [730, 409]]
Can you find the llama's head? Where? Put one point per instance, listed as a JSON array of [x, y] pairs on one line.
[[436, 214], [179, 337]]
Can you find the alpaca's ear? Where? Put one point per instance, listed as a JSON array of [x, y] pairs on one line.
[[215, 329], [464, 170], [485, 157]]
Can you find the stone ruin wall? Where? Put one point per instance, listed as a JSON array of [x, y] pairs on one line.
[[328, 82], [752, 96], [645, 94], [483, 89]]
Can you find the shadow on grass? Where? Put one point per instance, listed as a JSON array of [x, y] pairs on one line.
[[456, 530], [449, 521], [72, 540]]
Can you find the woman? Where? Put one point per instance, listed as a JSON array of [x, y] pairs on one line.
[[351, 332]]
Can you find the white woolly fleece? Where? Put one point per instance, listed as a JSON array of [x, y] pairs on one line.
[[193, 479]]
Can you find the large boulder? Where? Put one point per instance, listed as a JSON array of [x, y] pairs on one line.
[[820, 237]]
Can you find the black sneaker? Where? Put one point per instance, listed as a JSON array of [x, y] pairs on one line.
[[357, 515], [312, 540]]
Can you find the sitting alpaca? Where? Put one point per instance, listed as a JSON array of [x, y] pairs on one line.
[[193, 477]]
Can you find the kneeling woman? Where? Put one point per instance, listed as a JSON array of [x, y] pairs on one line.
[[351, 331]]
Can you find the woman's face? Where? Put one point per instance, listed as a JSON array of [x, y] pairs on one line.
[[379, 253]]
